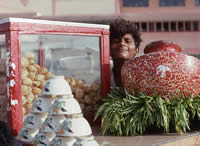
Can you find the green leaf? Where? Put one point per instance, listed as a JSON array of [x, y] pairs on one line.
[[125, 114]]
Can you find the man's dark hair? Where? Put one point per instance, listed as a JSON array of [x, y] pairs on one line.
[[6, 138], [120, 26]]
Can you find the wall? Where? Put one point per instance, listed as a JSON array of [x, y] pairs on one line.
[[59, 7], [155, 8], [186, 40], [84, 7], [43, 7]]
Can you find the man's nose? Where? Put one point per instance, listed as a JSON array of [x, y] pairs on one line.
[[122, 41]]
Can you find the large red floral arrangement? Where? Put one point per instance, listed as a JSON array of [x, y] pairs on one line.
[[163, 70]]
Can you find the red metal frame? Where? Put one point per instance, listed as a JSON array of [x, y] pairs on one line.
[[13, 31], [14, 116]]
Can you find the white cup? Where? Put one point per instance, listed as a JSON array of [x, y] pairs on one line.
[[42, 139], [42, 104], [57, 85], [52, 123], [65, 105], [34, 120], [62, 141], [27, 135], [86, 141], [75, 126]]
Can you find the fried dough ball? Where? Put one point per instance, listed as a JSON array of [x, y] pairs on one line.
[[29, 55], [24, 73], [48, 75], [39, 77], [79, 93], [36, 66], [31, 75], [27, 81], [31, 61], [24, 62], [36, 90], [43, 70], [31, 68], [23, 100], [36, 83], [79, 83], [26, 90], [94, 87], [30, 98]]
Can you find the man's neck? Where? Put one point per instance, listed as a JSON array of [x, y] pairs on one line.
[[117, 65]]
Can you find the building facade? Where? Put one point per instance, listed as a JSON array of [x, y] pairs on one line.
[[175, 20]]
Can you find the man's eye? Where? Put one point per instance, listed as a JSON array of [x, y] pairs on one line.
[[116, 40], [128, 41]]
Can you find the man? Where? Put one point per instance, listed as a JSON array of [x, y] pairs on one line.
[[6, 138], [125, 40]]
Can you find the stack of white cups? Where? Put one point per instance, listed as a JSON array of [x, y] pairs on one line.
[[68, 122], [56, 118], [55, 88]]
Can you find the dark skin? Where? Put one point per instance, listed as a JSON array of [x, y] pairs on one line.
[[122, 50]]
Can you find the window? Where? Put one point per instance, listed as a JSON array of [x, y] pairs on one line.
[[144, 27], [195, 25], [63, 53], [137, 25], [166, 26], [158, 27], [197, 2], [151, 27], [135, 3], [180, 26], [197, 56], [173, 26], [187, 26], [166, 3]]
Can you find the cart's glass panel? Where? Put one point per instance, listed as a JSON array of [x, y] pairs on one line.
[[3, 111], [77, 58]]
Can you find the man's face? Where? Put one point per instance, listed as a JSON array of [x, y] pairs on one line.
[[123, 48]]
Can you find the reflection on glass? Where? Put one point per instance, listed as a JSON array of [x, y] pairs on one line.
[[166, 26], [164, 3], [144, 26], [135, 3], [158, 26], [173, 26], [67, 55], [188, 25], [197, 2], [151, 27], [195, 25], [180, 26], [77, 58], [3, 101]]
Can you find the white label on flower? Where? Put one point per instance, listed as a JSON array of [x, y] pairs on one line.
[[12, 83], [14, 102], [162, 69], [12, 74], [13, 66]]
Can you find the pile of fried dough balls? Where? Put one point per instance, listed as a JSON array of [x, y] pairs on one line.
[[33, 79], [88, 96]]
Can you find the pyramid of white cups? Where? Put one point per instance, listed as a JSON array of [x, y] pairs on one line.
[[56, 118]]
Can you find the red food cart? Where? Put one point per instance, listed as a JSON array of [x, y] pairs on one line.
[[38, 48]]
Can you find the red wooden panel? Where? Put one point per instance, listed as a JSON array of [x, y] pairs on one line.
[[105, 65], [15, 116], [13, 29]]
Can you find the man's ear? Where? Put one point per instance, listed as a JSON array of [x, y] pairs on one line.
[[137, 50]]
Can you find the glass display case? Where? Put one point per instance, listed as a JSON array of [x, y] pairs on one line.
[[31, 51]]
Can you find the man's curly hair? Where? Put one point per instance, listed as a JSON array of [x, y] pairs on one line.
[[120, 26], [6, 138]]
